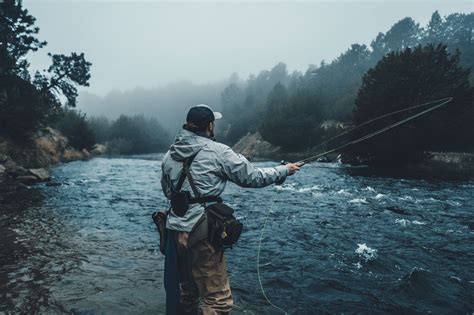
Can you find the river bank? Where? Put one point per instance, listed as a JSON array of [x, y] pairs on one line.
[[27, 162], [447, 165]]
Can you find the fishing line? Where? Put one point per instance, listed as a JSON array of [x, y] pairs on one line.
[[258, 265], [443, 101], [313, 158], [447, 99]]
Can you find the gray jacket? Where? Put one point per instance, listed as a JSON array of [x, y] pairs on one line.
[[213, 166]]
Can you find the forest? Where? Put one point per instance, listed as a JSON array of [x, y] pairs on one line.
[[407, 65], [32, 100]]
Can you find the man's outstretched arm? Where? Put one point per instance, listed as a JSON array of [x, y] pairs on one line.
[[237, 169]]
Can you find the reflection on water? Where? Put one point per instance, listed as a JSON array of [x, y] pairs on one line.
[[34, 252], [334, 243]]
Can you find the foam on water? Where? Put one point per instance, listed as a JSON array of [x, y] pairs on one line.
[[405, 222], [379, 196], [454, 203], [418, 222], [294, 188], [290, 187], [370, 189], [343, 192], [365, 251], [402, 222], [359, 200]]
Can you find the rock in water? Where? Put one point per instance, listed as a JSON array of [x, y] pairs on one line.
[[253, 145], [86, 155], [41, 173], [99, 149], [74, 155], [27, 179]]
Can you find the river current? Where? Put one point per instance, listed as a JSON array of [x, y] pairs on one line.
[[334, 243]]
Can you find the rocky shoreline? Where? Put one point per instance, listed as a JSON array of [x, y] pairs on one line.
[[23, 163]]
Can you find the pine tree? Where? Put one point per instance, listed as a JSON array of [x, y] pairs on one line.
[[410, 77], [27, 104]]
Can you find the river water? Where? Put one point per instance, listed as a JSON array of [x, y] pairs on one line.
[[333, 243]]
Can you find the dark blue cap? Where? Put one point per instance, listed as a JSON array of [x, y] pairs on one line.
[[202, 114]]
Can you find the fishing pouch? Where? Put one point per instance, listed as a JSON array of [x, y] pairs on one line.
[[159, 218], [223, 228], [180, 201]]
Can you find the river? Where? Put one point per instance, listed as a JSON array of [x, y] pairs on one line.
[[333, 243]]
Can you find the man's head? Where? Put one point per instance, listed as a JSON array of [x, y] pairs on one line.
[[201, 118]]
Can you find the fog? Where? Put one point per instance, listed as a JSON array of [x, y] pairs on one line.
[[142, 47], [148, 44]]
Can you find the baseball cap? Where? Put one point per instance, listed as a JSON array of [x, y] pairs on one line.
[[202, 114]]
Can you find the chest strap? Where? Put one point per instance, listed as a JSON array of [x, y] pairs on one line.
[[185, 173]]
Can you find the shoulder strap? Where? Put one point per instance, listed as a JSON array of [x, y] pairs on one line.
[[186, 164], [191, 181], [186, 173]]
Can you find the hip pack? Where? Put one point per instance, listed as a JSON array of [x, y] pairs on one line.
[[224, 228]]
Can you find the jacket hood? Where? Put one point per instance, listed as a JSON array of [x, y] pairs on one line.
[[187, 144]]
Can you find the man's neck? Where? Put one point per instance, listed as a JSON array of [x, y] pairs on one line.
[[200, 133]]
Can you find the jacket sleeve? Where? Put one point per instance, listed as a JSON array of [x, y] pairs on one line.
[[237, 169]]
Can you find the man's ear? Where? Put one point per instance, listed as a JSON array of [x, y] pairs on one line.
[[210, 126]]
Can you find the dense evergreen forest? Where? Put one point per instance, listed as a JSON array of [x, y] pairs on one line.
[[407, 65]]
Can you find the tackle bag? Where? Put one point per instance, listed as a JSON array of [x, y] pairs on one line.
[[223, 228]]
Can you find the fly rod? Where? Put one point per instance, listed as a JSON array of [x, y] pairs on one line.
[[313, 158]]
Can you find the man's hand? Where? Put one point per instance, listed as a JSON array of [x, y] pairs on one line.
[[293, 168]]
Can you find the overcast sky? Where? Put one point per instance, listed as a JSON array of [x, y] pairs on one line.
[[151, 43]]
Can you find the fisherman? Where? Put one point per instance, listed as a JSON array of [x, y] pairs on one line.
[[194, 265]]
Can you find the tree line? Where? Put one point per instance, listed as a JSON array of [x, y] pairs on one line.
[[124, 135], [31, 101], [405, 66]]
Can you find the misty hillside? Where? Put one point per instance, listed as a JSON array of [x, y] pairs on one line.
[[167, 104]]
